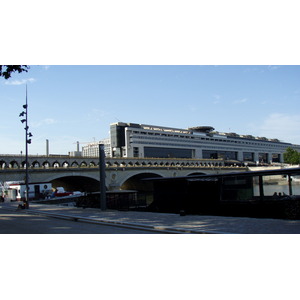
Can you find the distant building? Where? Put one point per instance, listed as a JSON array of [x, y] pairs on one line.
[[92, 149], [139, 140], [76, 153]]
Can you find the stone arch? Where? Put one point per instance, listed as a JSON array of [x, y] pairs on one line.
[[56, 164], [196, 173], [35, 164], [3, 164], [76, 183], [83, 164], [116, 164], [140, 174], [74, 164], [13, 165], [65, 164], [92, 164], [143, 187], [46, 164], [23, 164]]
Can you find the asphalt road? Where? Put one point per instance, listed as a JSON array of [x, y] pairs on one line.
[[18, 222]]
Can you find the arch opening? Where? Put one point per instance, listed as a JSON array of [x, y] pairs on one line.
[[77, 183], [143, 187]]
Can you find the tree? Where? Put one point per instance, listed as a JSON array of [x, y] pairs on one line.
[[291, 156], [6, 71]]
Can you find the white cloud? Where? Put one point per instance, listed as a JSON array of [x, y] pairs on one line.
[[281, 126], [19, 82], [240, 101]]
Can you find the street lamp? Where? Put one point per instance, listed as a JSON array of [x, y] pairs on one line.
[[27, 141]]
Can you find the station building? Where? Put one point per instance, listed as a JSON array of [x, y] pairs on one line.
[[202, 142]]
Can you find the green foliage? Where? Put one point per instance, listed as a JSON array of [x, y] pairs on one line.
[[291, 156], [6, 71]]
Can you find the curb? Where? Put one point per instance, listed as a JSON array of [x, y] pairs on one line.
[[157, 228]]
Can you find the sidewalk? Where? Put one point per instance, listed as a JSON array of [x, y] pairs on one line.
[[163, 222]]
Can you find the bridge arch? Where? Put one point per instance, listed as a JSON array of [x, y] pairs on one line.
[[136, 182], [65, 164], [3, 164], [76, 183], [13, 165], [83, 164], [56, 164], [92, 164], [36, 164], [74, 164], [196, 173], [46, 164]]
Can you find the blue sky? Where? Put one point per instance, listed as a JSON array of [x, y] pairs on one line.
[[69, 103]]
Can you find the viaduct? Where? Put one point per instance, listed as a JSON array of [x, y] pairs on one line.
[[82, 173]]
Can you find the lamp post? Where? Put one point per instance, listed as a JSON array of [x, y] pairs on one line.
[[28, 135]]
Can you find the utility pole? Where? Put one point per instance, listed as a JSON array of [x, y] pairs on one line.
[[102, 177]]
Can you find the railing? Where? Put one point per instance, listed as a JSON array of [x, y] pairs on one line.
[[16, 162]]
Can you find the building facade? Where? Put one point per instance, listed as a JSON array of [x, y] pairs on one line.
[[92, 149], [139, 140]]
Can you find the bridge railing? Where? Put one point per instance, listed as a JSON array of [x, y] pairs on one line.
[[65, 161]]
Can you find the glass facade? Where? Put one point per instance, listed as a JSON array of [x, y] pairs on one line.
[[214, 154], [248, 156], [167, 152], [117, 135], [276, 157], [263, 157]]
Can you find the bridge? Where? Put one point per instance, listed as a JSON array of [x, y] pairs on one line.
[[82, 173]]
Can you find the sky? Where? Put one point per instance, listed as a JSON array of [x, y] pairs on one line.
[[70, 103]]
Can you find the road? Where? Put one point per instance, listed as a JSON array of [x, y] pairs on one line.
[[19, 222]]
